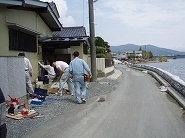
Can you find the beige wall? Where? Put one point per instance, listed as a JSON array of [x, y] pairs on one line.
[[3, 32], [28, 19], [86, 58], [77, 48], [80, 50]]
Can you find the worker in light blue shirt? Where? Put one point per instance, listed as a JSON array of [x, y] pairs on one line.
[[76, 69]]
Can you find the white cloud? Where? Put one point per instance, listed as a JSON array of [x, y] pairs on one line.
[[62, 9], [67, 21], [143, 13]]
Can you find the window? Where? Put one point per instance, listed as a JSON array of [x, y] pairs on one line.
[[22, 41], [85, 48]]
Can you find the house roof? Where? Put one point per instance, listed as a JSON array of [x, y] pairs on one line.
[[44, 10], [70, 32], [68, 36]]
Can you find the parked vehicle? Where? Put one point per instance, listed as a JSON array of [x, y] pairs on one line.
[[117, 61], [3, 129]]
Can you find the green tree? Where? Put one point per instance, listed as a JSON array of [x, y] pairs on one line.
[[100, 47], [99, 41], [147, 55]]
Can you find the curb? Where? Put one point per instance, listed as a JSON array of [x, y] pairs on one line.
[[115, 75], [170, 90]]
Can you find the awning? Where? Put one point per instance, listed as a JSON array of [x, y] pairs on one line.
[[65, 39], [22, 28]]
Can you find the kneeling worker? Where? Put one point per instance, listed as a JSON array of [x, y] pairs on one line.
[[51, 72]]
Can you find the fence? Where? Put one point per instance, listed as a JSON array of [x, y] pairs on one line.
[[105, 66], [109, 62]]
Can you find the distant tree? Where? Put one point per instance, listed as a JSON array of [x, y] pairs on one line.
[[147, 55], [162, 59], [150, 54], [107, 47]]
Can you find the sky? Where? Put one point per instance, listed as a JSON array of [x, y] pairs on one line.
[[157, 22]]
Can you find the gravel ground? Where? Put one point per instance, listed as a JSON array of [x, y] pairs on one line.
[[54, 106]]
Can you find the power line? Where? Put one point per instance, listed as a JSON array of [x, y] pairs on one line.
[[83, 12]]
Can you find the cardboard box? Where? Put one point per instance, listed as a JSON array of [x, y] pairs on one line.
[[19, 116], [53, 91]]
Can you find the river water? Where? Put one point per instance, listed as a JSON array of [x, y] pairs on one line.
[[174, 67]]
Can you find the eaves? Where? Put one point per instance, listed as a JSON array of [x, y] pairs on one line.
[[42, 8]]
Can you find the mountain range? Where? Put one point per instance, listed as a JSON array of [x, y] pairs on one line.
[[156, 51]]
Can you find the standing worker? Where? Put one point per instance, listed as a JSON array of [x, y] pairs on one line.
[[64, 77], [51, 72], [76, 68], [28, 73]]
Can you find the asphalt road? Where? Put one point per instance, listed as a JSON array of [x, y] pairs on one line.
[[136, 109]]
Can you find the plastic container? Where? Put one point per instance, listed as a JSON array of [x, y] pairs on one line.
[[36, 101]]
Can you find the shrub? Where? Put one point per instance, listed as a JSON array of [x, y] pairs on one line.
[[100, 55], [100, 49]]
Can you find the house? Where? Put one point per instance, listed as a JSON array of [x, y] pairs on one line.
[[32, 26], [134, 53], [22, 23], [121, 55], [65, 42]]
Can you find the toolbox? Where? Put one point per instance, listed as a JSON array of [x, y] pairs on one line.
[[40, 94]]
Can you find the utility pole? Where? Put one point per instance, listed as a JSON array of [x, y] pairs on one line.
[[92, 41]]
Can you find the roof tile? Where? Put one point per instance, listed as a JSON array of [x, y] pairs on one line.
[[71, 32]]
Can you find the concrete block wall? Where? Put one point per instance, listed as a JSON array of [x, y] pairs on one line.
[[102, 71], [12, 77]]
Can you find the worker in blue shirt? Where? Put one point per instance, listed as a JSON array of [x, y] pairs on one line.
[[76, 69]]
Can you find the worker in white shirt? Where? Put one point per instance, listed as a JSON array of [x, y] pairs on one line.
[[28, 73], [51, 72], [64, 77]]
